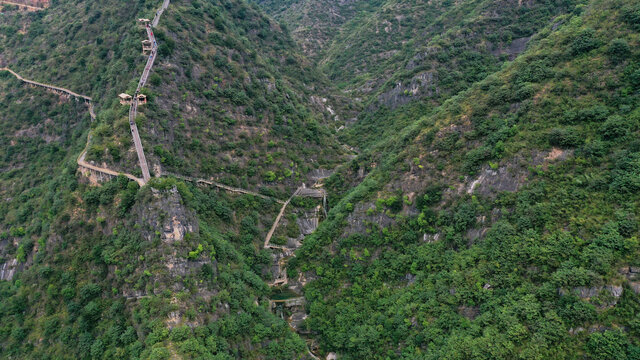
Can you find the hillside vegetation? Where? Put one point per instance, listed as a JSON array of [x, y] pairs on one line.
[[398, 52], [502, 225], [314, 23], [248, 110], [480, 159], [116, 271]]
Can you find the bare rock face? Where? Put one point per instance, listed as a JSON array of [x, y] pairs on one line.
[[632, 276], [516, 47], [513, 174], [175, 230], [419, 58], [421, 85], [431, 238], [358, 221], [9, 265], [492, 181], [319, 174], [8, 269], [308, 223], [603, 296], [165, 217], [474, 234], [166, 214]]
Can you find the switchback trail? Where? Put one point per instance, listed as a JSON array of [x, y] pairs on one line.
[[109, 172], [282, 279], [277, 221], [83, 165]]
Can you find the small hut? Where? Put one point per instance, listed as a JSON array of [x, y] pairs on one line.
[[143, 22], [142, 99], [146, 46], [125, 99]]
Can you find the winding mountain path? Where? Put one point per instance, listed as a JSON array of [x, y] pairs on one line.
[[277, 221], [82, 164], [47, 86], [28, 7], [224, 187], [112, 173], [86, 167]]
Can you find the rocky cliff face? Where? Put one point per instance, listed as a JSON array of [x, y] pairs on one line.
[[166, 214], [167, 223], [10, 265], [169, 226]]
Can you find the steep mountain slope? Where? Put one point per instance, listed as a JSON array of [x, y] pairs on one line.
[[504, 224], [40, 134], [233, 68], [232, 99], [170, 269], [491, 210], [313, 23], [396, 52]]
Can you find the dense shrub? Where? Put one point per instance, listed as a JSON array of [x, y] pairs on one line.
[[584, 42], [615, 127], [618, 50], [565, 137]]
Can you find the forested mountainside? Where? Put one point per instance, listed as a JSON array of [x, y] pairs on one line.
[[504, 223], [250, 108], [92, 268], [398, 52], [240, 93], [105, 272], [389, 179], [313, 23]]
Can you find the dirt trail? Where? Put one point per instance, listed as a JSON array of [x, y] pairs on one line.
[[223, 186]]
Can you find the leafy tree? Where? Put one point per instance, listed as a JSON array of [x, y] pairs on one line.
[[609, 345], [584, 42], [615, 127], [618, 50], [565, 137]]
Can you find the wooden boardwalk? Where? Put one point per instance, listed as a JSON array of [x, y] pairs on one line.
[[133, 110], [28, 7], [83, 165], [47, 86]]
